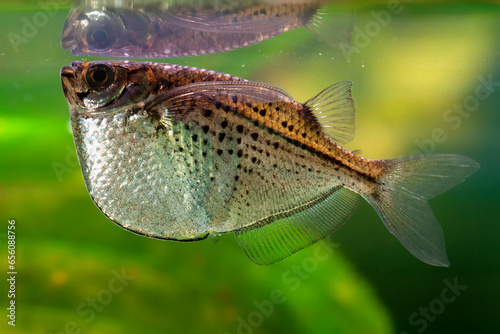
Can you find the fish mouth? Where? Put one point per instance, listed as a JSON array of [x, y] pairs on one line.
[[67, 41], [70, 29], [68, 72], [72, 87], [67, 78]]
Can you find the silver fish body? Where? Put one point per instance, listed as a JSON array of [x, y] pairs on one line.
[[180, 153], [171, 182]]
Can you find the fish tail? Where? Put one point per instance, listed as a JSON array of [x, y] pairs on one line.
[[401, 200]]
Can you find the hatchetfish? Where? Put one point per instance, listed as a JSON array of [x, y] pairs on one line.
[[164, 29], [181, 153]]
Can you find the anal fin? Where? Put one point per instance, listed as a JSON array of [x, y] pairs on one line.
[[275, 239]]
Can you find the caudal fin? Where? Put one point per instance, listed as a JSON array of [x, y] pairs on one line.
[[401, 200]]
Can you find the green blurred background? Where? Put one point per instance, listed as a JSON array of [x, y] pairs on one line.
[[408, 74]]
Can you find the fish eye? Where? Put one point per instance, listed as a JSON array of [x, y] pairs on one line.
[[100, 76], [99, 38]]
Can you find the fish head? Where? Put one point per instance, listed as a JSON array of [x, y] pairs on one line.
[[107, 31], [105, 86], [92, 31]]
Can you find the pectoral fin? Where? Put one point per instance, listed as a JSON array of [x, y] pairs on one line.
[[215, 24], [175, 100]]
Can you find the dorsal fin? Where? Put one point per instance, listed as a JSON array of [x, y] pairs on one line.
[[285, 235], [335, 111], [334, 25]]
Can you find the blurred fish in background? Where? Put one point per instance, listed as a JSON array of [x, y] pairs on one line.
[[173, 28]]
